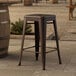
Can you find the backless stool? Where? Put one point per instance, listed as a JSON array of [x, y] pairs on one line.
[[40, 21]]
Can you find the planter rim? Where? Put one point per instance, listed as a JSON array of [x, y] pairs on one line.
[[31, 37]]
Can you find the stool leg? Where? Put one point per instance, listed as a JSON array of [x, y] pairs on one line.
[[42, 30], [36, 40], [22, 44], [57, 43]]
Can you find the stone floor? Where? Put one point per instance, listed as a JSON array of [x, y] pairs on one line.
[[30, 67]]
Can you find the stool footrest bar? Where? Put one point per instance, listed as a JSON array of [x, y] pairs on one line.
[[28, 47]]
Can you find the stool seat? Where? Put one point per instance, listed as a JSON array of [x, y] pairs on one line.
[[40, 22], [48, 17]]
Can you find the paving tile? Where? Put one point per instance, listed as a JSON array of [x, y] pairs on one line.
[[60, 73], [14, 72], [70, 68]]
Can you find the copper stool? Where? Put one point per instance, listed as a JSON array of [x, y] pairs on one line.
[[40, 21]]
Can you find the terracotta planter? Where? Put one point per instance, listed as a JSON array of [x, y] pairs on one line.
[[28, 2], [54, 1]]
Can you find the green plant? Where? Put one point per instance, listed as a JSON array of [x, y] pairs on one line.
[[17, 27]]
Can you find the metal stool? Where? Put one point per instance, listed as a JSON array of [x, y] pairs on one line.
[[40, 21]]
